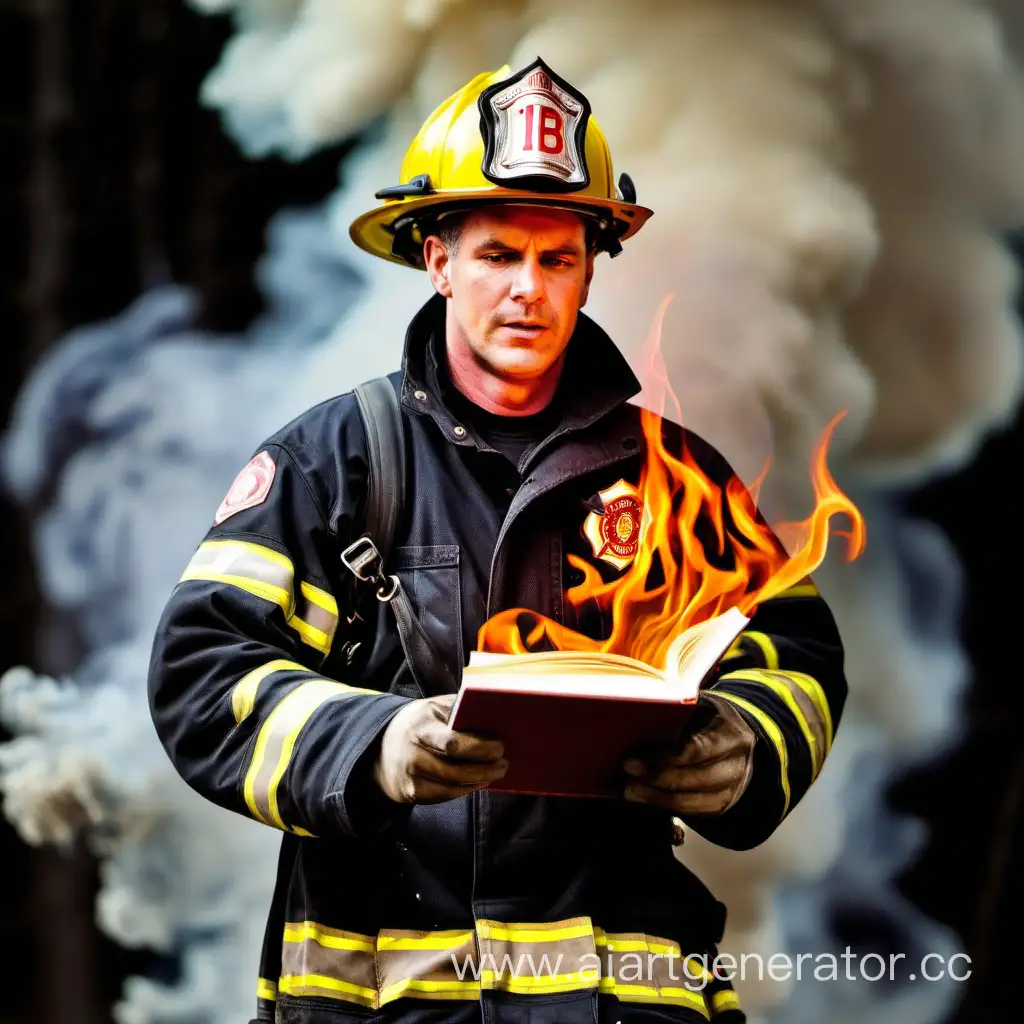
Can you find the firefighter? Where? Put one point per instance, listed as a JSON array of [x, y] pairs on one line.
[[407, 890]]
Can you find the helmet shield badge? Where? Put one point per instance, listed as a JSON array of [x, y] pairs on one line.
[[534, 127]]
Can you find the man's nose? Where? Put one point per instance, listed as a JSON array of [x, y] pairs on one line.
[[528, 283]]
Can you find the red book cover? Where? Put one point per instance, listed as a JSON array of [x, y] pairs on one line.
[[568, 720], [559, 745]]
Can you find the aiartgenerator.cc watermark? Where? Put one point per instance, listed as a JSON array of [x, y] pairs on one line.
[[696, 971]]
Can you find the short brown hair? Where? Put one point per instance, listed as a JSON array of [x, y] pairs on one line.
[[449, 230]]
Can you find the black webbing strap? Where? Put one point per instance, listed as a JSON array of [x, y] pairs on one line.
[[428, 668], [367, 556], [382, 422]]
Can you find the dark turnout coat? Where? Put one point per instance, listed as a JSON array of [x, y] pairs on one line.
[[271, 702]]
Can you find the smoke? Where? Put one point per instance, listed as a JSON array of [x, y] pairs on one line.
[[941, 157], [297, 73], [124, 440], [829, 179]]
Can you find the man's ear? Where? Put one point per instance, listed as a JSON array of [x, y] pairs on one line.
[[435, 258], [588, 278]]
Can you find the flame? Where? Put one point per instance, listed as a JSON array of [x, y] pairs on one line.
[[703, 550]]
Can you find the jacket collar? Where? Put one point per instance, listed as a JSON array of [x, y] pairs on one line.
[[595, 380]]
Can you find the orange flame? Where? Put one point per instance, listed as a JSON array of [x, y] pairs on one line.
[[675, 581]]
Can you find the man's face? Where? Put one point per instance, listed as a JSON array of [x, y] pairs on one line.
[[516, 281]]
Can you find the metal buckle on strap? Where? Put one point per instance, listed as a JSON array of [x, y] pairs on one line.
[[363, 560]]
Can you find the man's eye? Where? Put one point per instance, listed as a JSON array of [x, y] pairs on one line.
[[496, 257]]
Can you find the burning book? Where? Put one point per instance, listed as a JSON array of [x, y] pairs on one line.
[[568, 705]]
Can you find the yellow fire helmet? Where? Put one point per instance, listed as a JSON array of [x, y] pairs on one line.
[[526, 138]]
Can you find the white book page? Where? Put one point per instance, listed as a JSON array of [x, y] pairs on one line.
[[690, 657], [576, 684], [548, 663], [694, 653]]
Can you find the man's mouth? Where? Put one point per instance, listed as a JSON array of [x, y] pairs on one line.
[[526, 325]]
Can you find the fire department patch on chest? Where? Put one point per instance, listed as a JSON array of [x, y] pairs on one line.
[[615, 534], [250, 488]]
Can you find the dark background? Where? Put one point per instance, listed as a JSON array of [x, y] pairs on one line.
[[112, 179]]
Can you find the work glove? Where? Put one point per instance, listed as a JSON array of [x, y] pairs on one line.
[[422, 761], [706, 772]]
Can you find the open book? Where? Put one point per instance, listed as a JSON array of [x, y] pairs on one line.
[[569, 718]]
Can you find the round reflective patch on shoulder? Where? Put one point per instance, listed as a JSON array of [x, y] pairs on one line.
[[251, 487]]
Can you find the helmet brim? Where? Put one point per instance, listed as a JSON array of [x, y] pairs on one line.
[[375, 230]]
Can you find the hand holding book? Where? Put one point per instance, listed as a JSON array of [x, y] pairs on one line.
[[579, 724], [568, 719], [422, 761], [706, 773]]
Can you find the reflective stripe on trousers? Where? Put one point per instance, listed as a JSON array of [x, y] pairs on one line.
[[523, 959]]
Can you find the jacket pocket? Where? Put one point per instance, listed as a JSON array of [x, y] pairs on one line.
[[429, 573]]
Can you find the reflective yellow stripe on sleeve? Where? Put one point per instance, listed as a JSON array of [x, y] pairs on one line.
[[768, 650], [316, 617], [266, 990], [722, 1001], [816, 694], [799, 590], [774, 734], [796, 694], [256, 569], [269, 575], [761, 641], [276, 740], [243, 696]]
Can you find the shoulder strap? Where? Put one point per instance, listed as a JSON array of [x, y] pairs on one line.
[[367, 556], [382, 421]]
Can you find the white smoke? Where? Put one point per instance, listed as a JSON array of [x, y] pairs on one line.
[[829, 180], [301, 72], [136, 428]]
